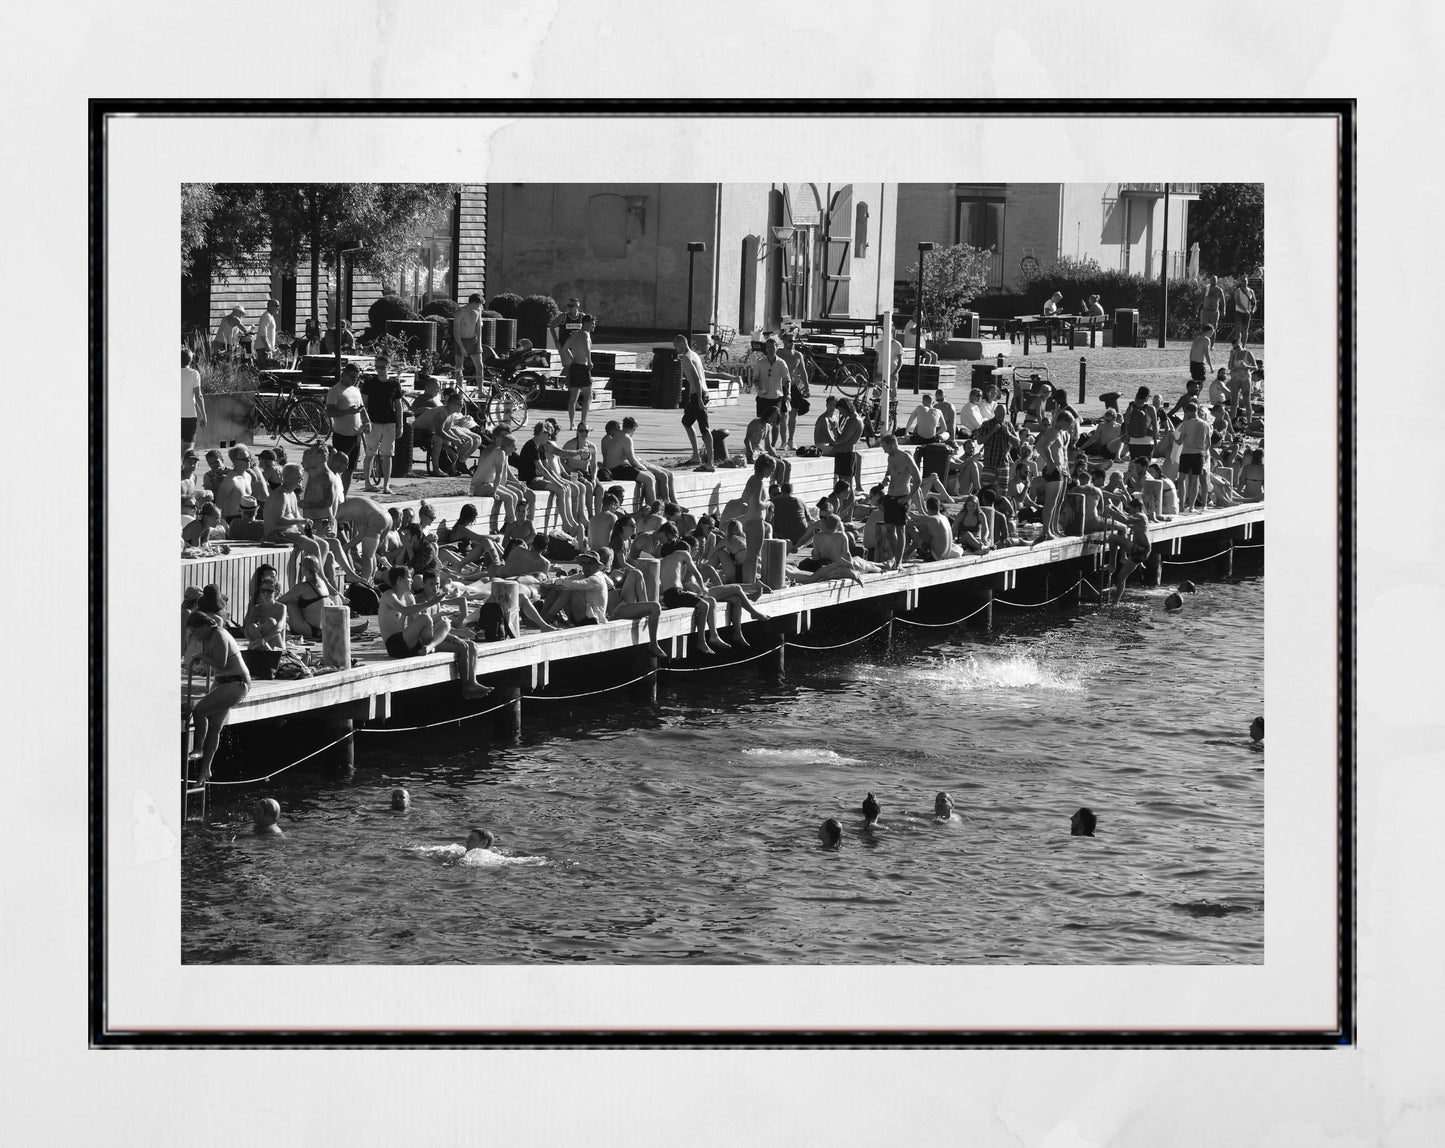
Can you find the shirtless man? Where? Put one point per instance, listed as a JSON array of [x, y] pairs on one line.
[[1138, 544], [931, 534], [694, 412], [599, 526], [661, 476], [628, 600], [493, 479], [947, 410], [407, 626], [675, 573], [1194, 442], [241, 481], [620, 461], [901, 479], [833, 556], [798, 384], [1199, 363], [281, 516], [366, 521], [321, 493]]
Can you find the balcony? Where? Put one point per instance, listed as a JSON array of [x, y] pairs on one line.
[[1156, 190]]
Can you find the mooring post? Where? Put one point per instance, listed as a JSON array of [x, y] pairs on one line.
[[773, 563], [508, 720], [772, 666], [341, 756], [504, 594], [1155, 566], [645, 691], [1084, 369], [336, 636], [1226, 562]]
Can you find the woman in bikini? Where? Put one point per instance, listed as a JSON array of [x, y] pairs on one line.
[[265, 621], [973, 529], [304, 600], [730, 555], [210, 643]]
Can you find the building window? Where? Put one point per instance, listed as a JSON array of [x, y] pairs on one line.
[[979, 223], [607, 226], [860, 231]]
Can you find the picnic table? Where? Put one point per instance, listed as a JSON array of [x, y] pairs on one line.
[[1030, 326]]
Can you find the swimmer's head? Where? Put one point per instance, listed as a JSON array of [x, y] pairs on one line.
[[943, 806], [830, 833], [1082, 823], [1256, 729], [871, 809], [400, 799], [1173, 602], [480, 839], [1187, 587], [265, 813]]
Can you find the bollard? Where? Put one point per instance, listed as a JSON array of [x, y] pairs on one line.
[[772, 563], [1083, 372], [982, 620], [336, 636], [645, 691], [342, 755], [508, 720], [505, 594], [1155, 566], [772, 666], [1226, 563]]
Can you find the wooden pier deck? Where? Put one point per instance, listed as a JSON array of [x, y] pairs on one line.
[[365, 691]]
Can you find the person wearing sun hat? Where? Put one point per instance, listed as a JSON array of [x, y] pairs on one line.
[[230, 329], [584, 597]]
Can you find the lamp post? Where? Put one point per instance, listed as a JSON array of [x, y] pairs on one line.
[[344, 248], [923, 249], [692, 251], [1164, 275]]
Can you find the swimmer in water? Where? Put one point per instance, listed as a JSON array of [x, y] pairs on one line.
[[871, 810], [943, 807], [479, 839], [1256, 730], [1187, 587], [400, 799], [264, 815], [831, 834], [1082, 823], [1173, 602]]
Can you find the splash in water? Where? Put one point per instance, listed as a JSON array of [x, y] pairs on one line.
[[802, 755], [997, 672], [473, 858]]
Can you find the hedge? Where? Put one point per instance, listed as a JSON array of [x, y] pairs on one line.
[[505, 305], [384, 309], [440, 306]]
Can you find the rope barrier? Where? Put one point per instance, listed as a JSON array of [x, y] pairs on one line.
[[718, 665], [433, 725], [945, 625], [840, 645], [284, 768], [1036, 605], [1249, 545], [592, 694], [1195, 561]]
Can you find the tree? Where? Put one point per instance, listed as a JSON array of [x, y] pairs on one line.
[[241, 226], [1228, 225], [952, 278]]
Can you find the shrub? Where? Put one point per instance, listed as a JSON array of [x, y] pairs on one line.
[[447, 308], [385, 309], [952, 277], [534, 316], [505, 305], [486, 314]]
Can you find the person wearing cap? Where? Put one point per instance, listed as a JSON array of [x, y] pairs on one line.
[[193, 491], [230, 329], [265, 342], [193, 402], [467, 336], [349, 419], [247, 528], [211, 644], [582, 598], [269, 464]]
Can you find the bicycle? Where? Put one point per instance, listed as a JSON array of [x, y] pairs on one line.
[[284, 412], [717, 355], [849, 379]]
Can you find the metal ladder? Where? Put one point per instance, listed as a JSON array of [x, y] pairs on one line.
[[193, 790]]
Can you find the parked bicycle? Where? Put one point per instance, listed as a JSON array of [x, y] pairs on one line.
[[284, 411], [717, 356]]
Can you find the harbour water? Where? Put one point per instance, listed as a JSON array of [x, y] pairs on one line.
[[687, 832]]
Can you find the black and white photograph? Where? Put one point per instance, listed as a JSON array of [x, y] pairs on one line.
[[718, 573]]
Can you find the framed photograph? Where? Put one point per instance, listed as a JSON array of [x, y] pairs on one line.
[[974, 758]]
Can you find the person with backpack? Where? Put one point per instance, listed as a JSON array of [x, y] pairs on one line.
[[1141, 425]]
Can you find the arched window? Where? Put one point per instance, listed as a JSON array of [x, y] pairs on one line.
[[860, 231]]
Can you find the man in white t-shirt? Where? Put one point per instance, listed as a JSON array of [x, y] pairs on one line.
[[973, 414], [265, 344], [349, 420], [193, 403]]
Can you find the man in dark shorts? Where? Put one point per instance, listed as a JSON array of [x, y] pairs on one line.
[[901, 481], [772, 380], [1199, 350], [571, 320], [406, 627], [846, 463], [579, 370], [349, 420], [694, 412]]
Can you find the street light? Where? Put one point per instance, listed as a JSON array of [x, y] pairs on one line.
[[692, 251], [923, 249], [344, 247]]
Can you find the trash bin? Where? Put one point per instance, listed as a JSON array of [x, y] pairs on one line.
[[1126, 326], [666, 379], [506, 336], [488, 332], [967, 326]]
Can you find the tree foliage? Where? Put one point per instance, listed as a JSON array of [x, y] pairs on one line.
[[1228, 224], [952, 278]]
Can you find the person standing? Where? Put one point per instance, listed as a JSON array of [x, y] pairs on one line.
[[771, 382], [578, 353], [193, 403], [847, 464], [1141, 426], [1244, 307], [230, 329], [694, 411], [1193, 443], [1211, 308], [569, 322], [799, 392], [381, 393], [265, 344], [901, 482], [1242, 366], [348, 419], [467, 335], [1199, 364]]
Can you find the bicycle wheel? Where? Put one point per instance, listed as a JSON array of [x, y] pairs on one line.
[[851, 379], [305, 421], [508, 408], [528, 384]]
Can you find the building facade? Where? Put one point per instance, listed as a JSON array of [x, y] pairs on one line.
[[774, 252], [1118, 225]]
